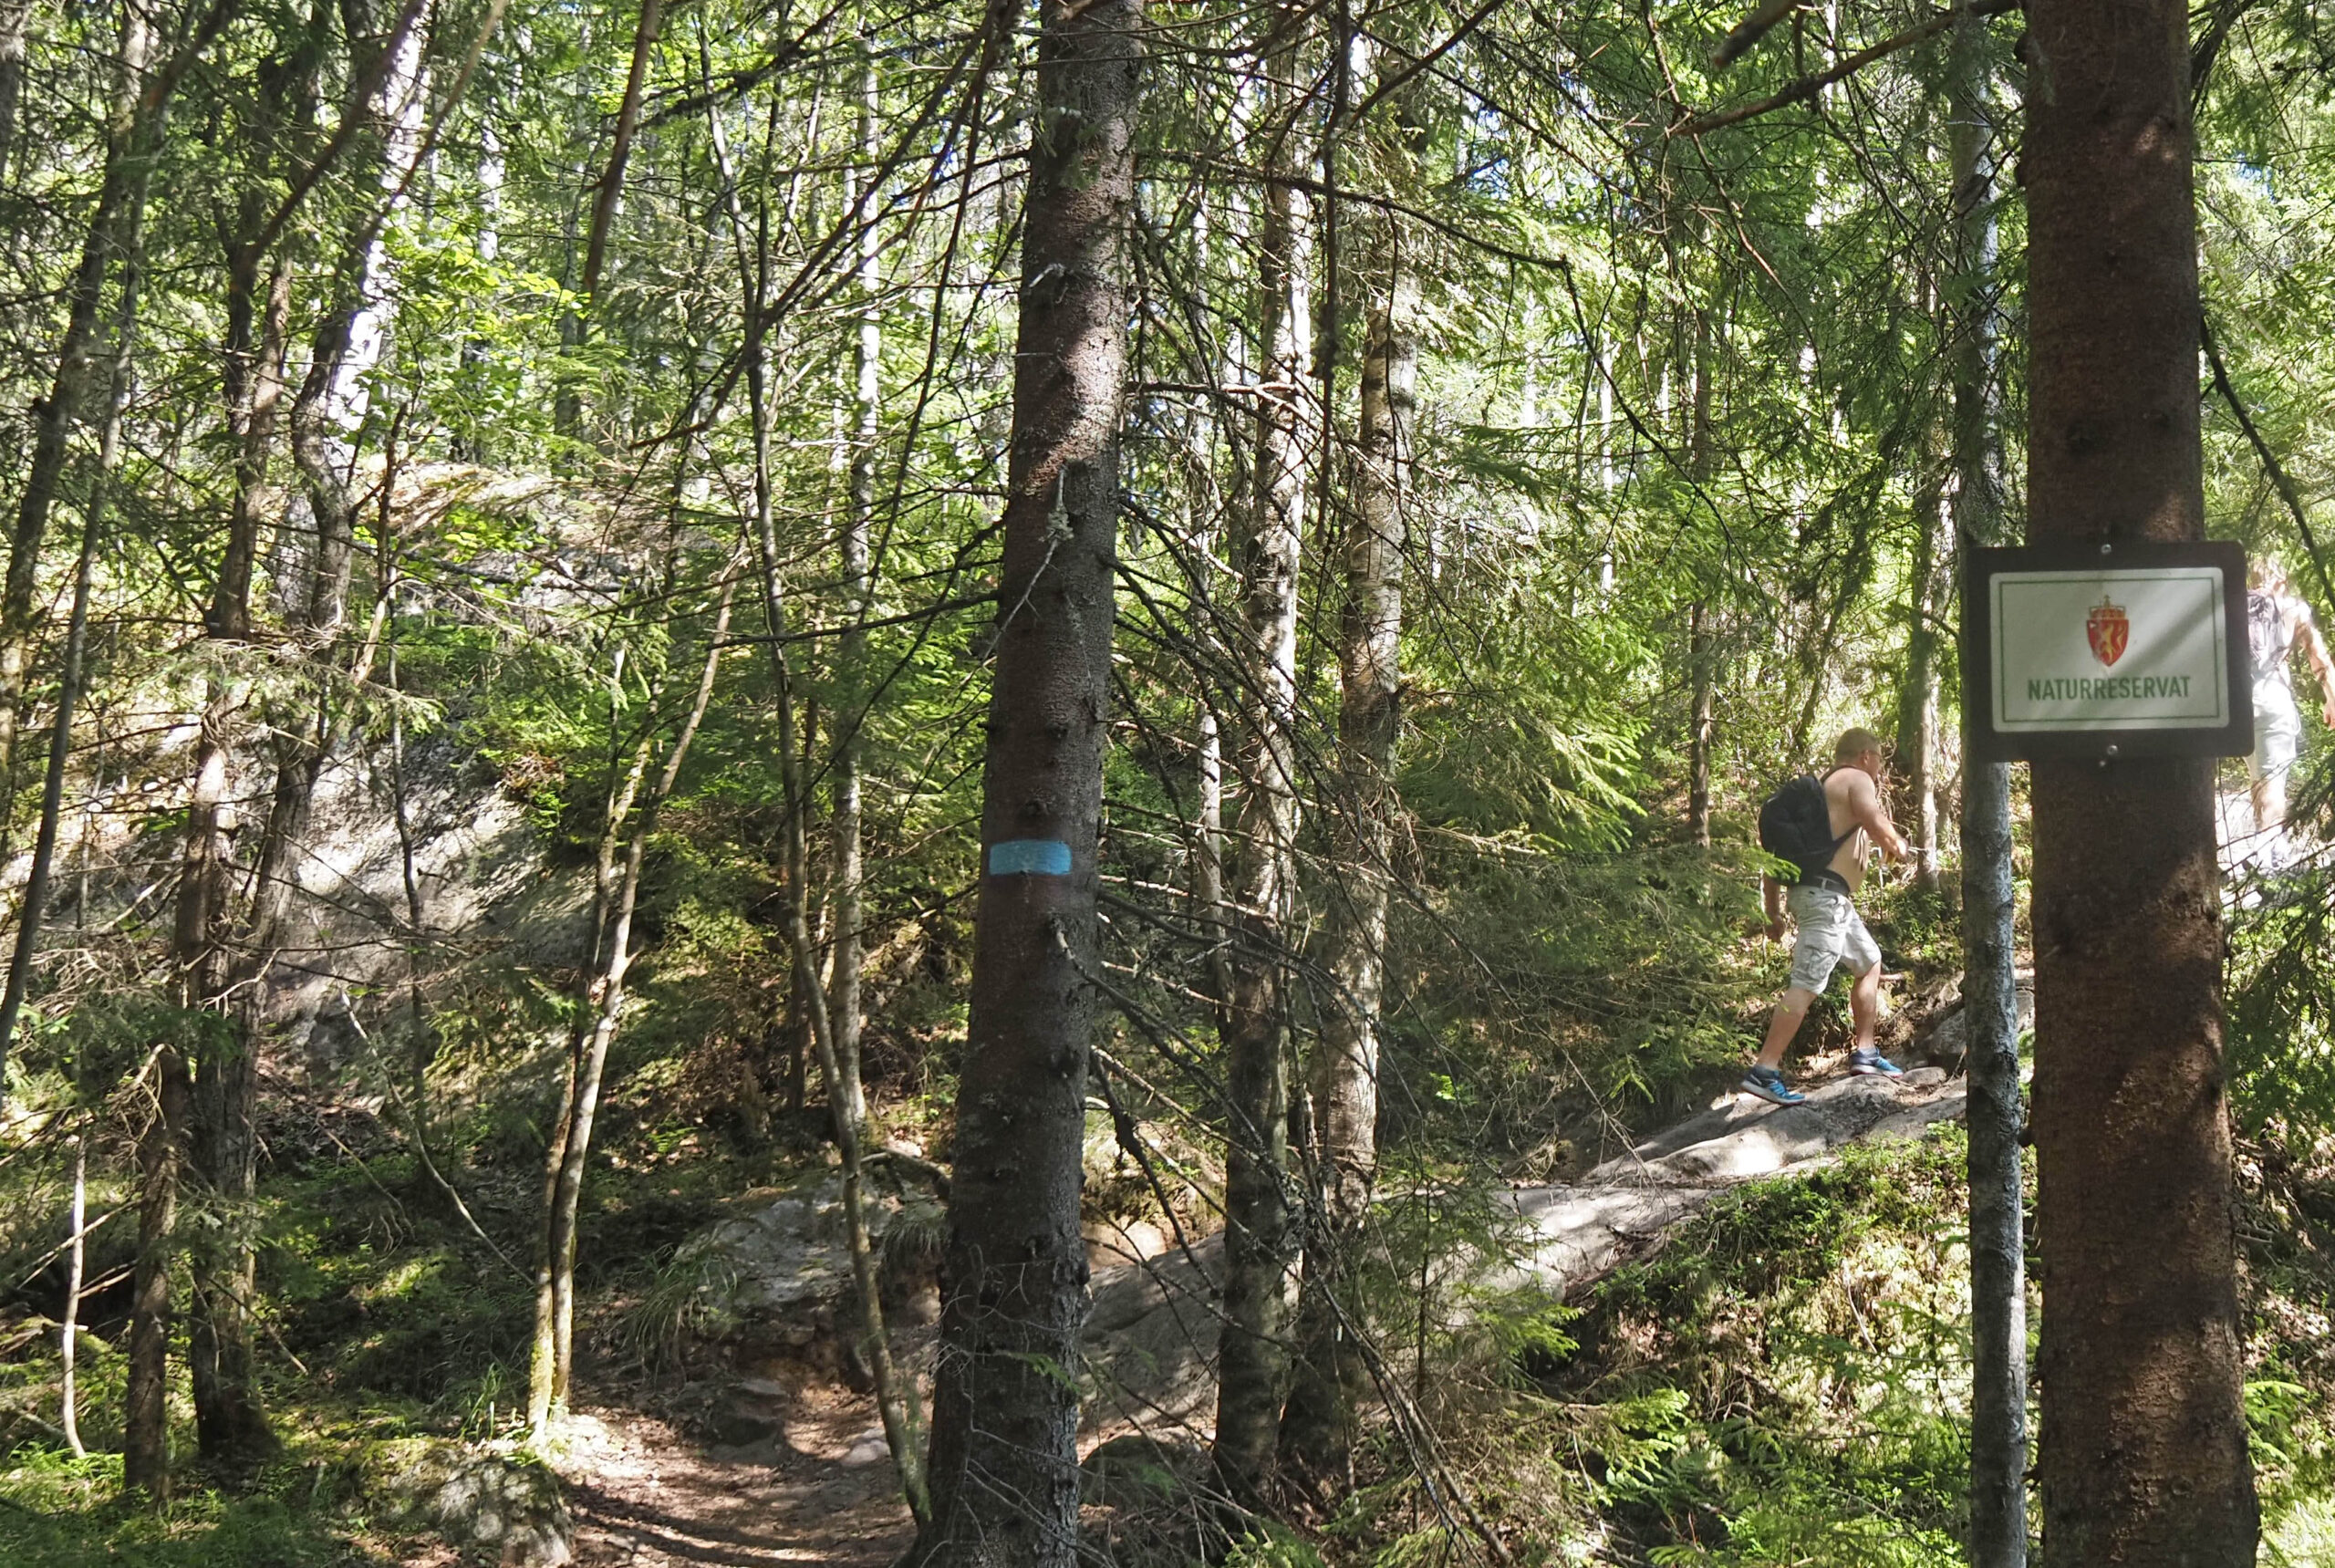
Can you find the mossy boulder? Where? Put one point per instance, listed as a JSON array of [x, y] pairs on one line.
[[475, 1499]]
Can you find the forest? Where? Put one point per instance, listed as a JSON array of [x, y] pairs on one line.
[[973, 785]]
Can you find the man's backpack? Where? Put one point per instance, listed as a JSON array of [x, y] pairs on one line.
[[1796, 825], [2266, 632]]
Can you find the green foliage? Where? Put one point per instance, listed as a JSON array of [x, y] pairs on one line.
[[686, 1298], [56, 1512]]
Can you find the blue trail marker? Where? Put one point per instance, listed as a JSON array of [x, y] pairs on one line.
[[1031, 856]]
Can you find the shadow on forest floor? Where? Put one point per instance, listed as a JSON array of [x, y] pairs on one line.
[[648, 1496]]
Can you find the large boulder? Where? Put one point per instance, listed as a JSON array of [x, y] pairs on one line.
[[1945, 1038], [478, 1499], [773, 1274]]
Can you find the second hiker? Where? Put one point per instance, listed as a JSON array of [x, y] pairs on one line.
[[1831, 863], [2279, 624]]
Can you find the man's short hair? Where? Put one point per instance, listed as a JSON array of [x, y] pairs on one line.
[[1854, 744]]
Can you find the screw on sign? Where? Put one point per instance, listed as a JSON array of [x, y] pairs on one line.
[[2108, 629]]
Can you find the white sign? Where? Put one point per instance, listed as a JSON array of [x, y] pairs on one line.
[[2140, 648]]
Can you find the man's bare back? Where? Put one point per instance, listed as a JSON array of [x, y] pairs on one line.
[[1850, 797]]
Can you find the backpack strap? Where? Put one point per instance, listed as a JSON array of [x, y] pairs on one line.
[[1821, 779]]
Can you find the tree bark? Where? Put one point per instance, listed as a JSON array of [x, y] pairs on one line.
[[131, 142], [16, 23], [2143, 1457], [1917, 698], [1700, 726], [1701, 649], [553, 1358], [610, 190], [1004, 1457], [35, 905], [145, 1446], [1997, 1119], [1332, 1374], [68, 1401], [222, 1143], [607, 194], [1260, 1238], [846, 872]]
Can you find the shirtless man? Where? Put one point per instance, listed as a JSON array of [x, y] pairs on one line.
[[1831, 931]]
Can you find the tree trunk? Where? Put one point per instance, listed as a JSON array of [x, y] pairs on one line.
[[35, 905], [897, 1403], [1332, 1375], [69, 1402], [1999, 1451], [146, 1444], [553, 1362], [2144, 1442], [223, 1146], [1700, 725], [1260, 1240], [850, 1101], [1701, 653], [607, 194], [15, 23], [1004, 1457], [132, 131], [1917, 698]]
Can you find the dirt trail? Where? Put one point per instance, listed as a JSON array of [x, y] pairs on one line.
[[646, 1496], [823, 1492]]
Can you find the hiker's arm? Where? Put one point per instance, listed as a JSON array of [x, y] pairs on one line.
[[1870, 812], [1772, 893], [2314, 648]]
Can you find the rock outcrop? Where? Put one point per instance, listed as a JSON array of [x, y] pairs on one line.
[[478, 1501], [1151, 1338]]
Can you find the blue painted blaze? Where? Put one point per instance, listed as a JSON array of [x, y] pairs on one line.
[[1033, 856]]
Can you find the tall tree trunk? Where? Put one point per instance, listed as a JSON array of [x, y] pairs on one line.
[[68, 1399], [850, 1101], [1004, 1457], [552, 1357], [1332, 1375], [624, 781], [1917, 697], [2144, 1442], [145, 1441], [1253, 1341], [222, 1148], [1997, 1119], [1701, 653], [1700, 725], [16, 23], [1204, 437], [132, 137], [897, 1403], [33, 910], [608, 195]]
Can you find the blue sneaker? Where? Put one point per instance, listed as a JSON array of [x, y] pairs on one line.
[[1871, 1063], [1770, 1086]]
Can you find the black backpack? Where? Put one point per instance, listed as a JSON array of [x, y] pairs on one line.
[[1796, 825]]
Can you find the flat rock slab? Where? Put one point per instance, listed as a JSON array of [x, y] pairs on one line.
[[1751, 1138], [1151, 1336]]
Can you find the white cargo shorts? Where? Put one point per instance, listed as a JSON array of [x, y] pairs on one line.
[[2277, 732], [1831, 932]]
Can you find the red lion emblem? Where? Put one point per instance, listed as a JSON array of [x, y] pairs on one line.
[[2108, 629]]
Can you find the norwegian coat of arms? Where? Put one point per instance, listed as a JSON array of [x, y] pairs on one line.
[[2108, 629]]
